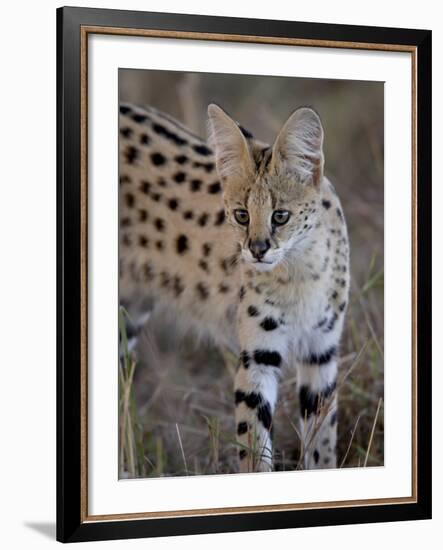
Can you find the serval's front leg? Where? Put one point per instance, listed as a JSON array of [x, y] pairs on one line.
[[264, 349], [317, 381]]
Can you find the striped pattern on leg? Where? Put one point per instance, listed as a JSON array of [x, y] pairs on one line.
[[317, 381]]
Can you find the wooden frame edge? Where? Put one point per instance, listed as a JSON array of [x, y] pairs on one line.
[[251, 39], [203, 512], [84, 274]]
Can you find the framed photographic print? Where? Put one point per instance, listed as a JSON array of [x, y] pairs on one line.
[[244, 274]]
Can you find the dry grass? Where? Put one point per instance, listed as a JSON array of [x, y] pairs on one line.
[[176, 405]]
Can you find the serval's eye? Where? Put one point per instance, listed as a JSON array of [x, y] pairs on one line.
[[280, 217], [241, 216]]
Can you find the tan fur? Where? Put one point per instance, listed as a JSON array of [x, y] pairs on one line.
[[202, 268]]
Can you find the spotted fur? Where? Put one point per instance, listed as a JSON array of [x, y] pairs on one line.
[[274, 293]]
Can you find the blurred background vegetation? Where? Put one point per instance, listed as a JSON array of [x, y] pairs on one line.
[[176, 406]]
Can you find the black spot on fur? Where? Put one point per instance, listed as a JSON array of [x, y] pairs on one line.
[[173, 204], [142, 215], [159, 224], [178, 286], [129, 198], [269, 323], [143, 241], [162, 183], [266, 357], [171, 136], [181, 159], [219, 217], [214, 188], [331, 323], [208, 166], [310, 402], [124, 179], [195, 185], [206, 248], [126, 240], [145, 187], [228, 264], [203, 265], [333, 418], [264, 415], [322, 322], [334, 295], [202, 150], [239, 396], [179, 177], [326, 204], [165, 279], [159, 245], [321, 358], [316, 456], [145, 139], [244, 358], [125, 222], [158, 159], [203, 220], [156, 197], [182, 244], [223, 288], [137, 117], [126, 132], [242, 428], [342, 306], [251, 400], [188, 215], [340, 214], [253, 311], [202, 291], [131, 154], [241, 293], [124, 109]]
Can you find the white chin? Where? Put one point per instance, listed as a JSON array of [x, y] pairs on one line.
[[262, 266]]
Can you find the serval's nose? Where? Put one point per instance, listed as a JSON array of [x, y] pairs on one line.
[[259, 247]]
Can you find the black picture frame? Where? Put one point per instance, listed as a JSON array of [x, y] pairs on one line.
[[71, 524]]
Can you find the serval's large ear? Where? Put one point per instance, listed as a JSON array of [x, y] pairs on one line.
[[232, 155], [298, 148]]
